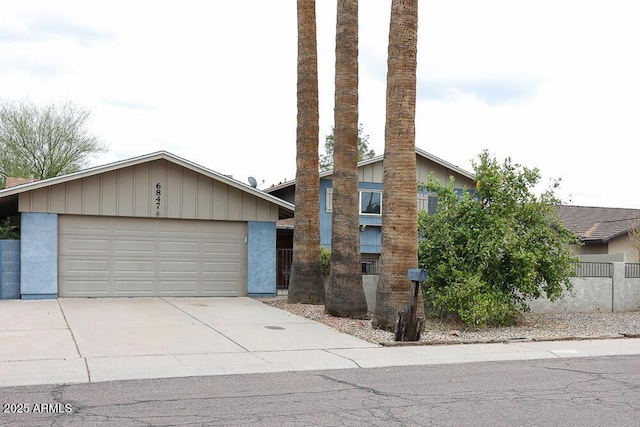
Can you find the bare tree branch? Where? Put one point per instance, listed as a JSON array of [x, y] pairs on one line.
[[43, 142]]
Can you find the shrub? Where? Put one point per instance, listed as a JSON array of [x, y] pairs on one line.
[[325, 259], [8, 231], [490, 250]]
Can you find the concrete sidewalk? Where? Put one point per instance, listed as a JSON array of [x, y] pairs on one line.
[[92, 340]]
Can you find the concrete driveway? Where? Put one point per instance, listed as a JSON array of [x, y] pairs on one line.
[[71, 340], [84, 339]]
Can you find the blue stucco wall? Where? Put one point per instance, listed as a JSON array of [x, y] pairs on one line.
[[38, 255], [261, 262], [9, 269]]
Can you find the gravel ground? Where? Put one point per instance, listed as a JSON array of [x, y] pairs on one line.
[[538, 327]]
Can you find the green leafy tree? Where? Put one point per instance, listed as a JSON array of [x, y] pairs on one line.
[[44, 142], [491, 250], [326, 159]]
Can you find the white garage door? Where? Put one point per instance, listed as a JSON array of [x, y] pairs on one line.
[[115, 256]]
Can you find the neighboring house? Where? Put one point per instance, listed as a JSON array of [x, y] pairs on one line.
[[603, 231], [370, 186], [154, 225]]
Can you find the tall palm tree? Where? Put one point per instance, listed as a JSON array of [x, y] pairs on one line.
[[345, 295], [305, 283], [399, 250]]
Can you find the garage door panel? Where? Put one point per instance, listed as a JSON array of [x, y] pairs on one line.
[[87, 266], [220, 288], [94, 288], [134, 287], [132, 226], [145, 267], [224, 249], [218, 268], [179, 287], [229, 236], [178, 248], [85, 225], [86, 245], [149, 256], [130, 246], [183, 267]]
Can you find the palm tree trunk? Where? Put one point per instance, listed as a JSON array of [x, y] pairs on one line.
[[399, 250], [345, 295], [305, 283]]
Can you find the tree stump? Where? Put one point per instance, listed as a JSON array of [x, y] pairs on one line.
[[409, 326]]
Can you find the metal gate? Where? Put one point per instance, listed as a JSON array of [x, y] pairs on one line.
[[284, 260]]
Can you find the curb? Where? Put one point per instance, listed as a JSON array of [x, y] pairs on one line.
[[507, 340]]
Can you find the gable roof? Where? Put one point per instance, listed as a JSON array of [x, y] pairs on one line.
[[380, 158], [9, 195], [595, 224]]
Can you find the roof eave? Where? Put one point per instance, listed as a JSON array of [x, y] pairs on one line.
[[160, 155], [380, 158]]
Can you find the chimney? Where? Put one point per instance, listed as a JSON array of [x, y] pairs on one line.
[[11, 181]]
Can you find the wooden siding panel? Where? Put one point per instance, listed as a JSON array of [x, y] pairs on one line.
[[74, 197], [131, 192], [370, 173], [362, 173], [173, 193], [58, 198], [125, 192], [376, 171], [424, 168], [205, 197], [24, 202], [40, 200], [234, 204], [142, 191], [263, 211], [189, 193], [91, 195], [248, 207], [219, 200], [109, 193]]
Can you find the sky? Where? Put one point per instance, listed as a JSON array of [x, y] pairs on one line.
[[550, 84]]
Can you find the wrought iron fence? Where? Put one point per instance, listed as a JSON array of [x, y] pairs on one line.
[[284, 257], [593, 269], [631, 270], [370, 265]]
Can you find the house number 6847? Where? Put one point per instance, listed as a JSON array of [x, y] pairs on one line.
[[158, 194]]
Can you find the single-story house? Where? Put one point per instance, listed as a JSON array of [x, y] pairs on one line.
[[370, 186], [153, 225], [603, 231]]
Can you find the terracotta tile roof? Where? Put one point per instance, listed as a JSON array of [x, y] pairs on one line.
[[595, 224], [12, 181], [286, 223]]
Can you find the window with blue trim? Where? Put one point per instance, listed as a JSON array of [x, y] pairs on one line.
[[428, 202], [371, 202]]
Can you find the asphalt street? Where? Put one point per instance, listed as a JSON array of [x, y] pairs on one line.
[[588, 391]]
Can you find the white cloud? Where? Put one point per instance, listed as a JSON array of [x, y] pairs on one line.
[[550, 84]]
